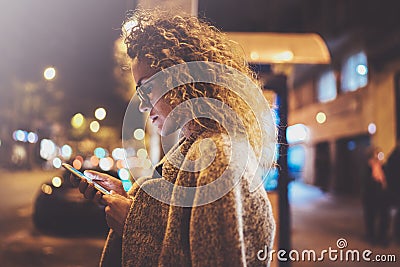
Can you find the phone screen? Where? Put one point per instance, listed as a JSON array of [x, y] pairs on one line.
[[82, 176]]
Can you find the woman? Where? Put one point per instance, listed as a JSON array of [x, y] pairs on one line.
[[203, 206]]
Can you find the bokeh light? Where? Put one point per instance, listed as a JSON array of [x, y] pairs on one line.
[[139, 134], [20, 135], [297, 133], [120, 164], [106, 164], [56, 181], [362, 69], [142, 153], [118, 153], [66, 152], [371, 128], [147, 164], [32, 138], [100, 114], [124, 174], [94, 161], [49, 73], [320, 117], [94, 126], [47, 189], [77, 120], [57, 163], [77, 164], [100, 152], [47, 149]]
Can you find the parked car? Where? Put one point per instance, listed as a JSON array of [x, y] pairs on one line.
[[60, 208]]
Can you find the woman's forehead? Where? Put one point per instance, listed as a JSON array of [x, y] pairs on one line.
[[141, 70]]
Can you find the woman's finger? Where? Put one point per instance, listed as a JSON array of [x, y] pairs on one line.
[[82, 186], [98, 198], [90, 191]]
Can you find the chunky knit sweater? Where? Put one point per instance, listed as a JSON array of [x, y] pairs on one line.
[[226, 232]]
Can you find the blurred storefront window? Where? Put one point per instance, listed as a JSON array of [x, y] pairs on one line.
[[326, 87], [354, 72]]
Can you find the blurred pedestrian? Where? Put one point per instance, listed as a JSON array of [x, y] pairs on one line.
[[231, 229], [392, 171], [375, 200]]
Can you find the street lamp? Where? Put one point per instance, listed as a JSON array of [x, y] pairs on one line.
[[49, 73]]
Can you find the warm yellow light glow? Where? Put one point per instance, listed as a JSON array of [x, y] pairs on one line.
[[320, 117], [56, 181], [139, 134], [94, 160], [283, 56], [77, 120], [47, 189], [272, 48], [77, 164], [100, 113], [94, 126], [49, 73], [254, 55]]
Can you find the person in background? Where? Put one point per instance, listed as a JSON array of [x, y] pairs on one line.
[[228, 231], [392, 171], [375, 200]]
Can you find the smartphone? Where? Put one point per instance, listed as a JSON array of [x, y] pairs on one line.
[[82, 176]]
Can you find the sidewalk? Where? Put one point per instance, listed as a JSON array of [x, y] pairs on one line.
[[320, 219]]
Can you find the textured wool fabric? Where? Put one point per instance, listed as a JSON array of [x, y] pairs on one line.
[[226, 232]]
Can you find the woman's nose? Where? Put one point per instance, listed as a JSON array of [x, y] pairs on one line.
[[144, 107]]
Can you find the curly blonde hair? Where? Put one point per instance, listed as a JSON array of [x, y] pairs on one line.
[[163, 39]]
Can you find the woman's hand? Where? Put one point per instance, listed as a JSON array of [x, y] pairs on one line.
[[105, 180], [117, 208]]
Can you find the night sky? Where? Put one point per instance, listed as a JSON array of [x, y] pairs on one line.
[[74, 36]]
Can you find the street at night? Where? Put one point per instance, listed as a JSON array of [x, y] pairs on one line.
[[23, 245]]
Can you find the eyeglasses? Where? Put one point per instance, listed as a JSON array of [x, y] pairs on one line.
[[143, 90]]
